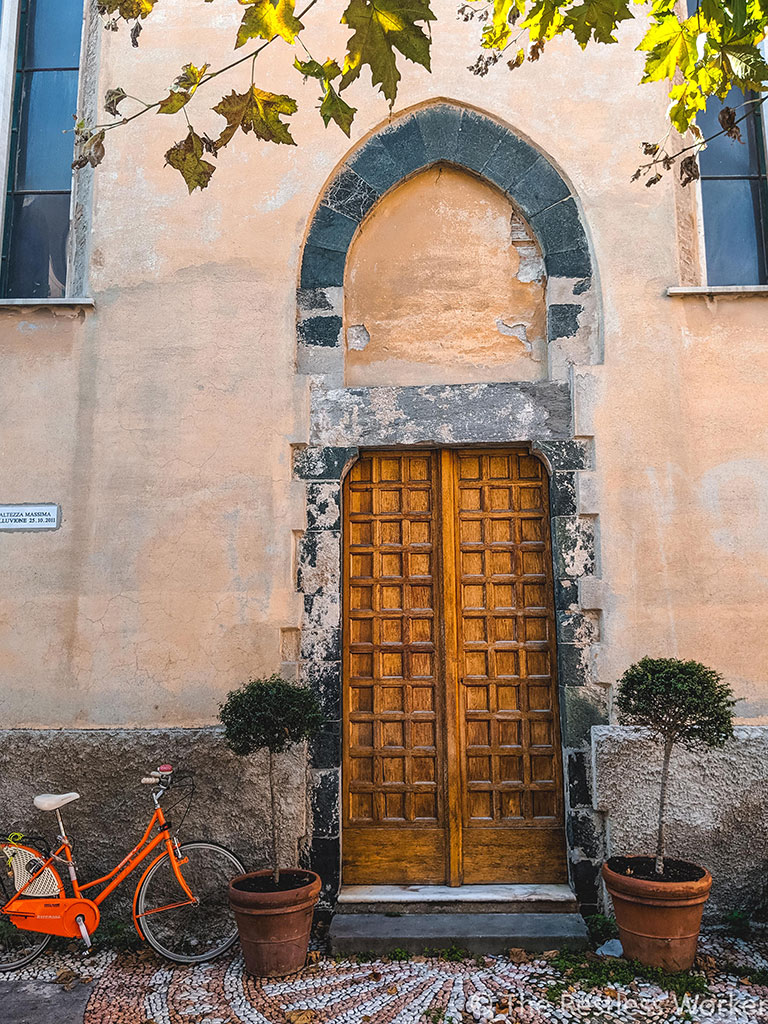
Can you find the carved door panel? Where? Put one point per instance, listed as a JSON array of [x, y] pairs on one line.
[[452, 769]]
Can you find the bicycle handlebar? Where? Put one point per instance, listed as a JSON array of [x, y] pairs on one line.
[[161, 776]]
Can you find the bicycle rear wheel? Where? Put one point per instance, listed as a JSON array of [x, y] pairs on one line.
[[17, 948], [193, 933]]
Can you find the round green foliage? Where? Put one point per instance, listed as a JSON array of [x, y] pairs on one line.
[[269, 713], [681, 701]]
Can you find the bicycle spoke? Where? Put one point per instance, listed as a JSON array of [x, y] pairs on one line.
[[190, 933]]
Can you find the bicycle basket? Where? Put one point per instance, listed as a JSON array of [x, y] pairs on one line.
[[25, 863]]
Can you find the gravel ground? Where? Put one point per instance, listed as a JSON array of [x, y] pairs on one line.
[[140, 988]]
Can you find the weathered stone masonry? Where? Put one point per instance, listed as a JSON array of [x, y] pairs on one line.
[[541, 415]]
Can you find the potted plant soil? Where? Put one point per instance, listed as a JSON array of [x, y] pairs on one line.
[[658, 900], [274, 907]]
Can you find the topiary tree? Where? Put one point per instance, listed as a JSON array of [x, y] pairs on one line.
[[680, 702], [270, 713]]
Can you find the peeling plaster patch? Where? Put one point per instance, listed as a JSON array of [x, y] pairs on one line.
[[531, 264], [519, 331], [358, 337]]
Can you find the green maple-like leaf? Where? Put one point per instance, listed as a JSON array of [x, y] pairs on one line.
[[596, 18], [333, 108], [173, 102], [381, 27], [314, 69], [670, 44], [747, 64], [258, 112], [183, 89], [186, 158], [498, 32], [266, 19]]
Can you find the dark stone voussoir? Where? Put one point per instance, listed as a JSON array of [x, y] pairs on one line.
[[509, 162], [559, 228], [478, 138], [570, 263], [324, 331], [373, 164], [331, 229], [322, 268], [539, 188], [350, 195], [404, 144], [563, 320], [439, 129]]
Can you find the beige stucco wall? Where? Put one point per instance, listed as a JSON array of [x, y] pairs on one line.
[[163, 420]]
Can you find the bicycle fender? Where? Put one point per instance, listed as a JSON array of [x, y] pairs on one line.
[[139, 884], [149, 867]]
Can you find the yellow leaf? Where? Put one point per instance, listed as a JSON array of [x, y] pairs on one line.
[[265, 20]]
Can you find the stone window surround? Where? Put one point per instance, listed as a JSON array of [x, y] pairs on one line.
[[539, 415], [78, 256]]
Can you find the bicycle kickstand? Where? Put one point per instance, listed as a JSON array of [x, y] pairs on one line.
[[85, 936]]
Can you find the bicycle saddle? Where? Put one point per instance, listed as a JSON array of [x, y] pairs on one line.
[[53, 801]]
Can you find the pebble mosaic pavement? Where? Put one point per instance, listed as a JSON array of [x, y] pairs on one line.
[[131, 988]]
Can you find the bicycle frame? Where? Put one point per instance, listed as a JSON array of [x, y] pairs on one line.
[[58, 916]]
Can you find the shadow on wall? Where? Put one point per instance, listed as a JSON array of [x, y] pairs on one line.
[[717, 815]]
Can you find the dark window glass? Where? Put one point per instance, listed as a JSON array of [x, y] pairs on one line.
[[45, 147], [53, 36], [732, 231], [734, 196], [724, 155], [37, 263], [36, 229]]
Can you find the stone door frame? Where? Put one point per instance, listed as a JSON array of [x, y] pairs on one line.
[[541, 415]]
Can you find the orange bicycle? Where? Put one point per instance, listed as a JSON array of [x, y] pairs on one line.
[[180, 906]]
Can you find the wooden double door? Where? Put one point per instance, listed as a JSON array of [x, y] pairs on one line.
[[452, 770]]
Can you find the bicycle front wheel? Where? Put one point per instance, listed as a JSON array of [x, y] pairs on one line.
[[192, 933]]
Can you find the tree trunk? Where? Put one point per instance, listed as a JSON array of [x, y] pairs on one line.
[[273, 821], [662, 805]]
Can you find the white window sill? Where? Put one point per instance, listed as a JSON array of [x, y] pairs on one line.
[[78, 303], [719, 289]]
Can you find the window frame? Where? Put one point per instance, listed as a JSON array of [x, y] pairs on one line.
[[81, 189]]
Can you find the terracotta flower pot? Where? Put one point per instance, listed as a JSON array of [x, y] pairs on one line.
[[658, 921], [274, 925]]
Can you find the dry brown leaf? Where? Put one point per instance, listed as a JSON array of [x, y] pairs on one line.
[[549, 954], [375, 976], [392, 990], [518, 956], [313, 956], [300, 1016]]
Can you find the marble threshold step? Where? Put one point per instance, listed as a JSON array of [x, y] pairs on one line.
[[379, 934], [461, 899]]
